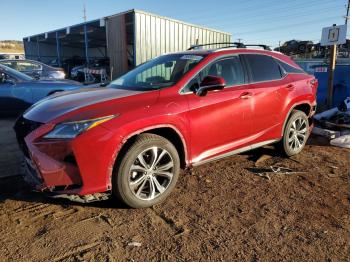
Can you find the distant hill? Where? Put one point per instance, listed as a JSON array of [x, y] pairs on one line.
[[11, 46]]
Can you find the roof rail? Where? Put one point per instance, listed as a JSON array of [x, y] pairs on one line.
[[230, 45], [265, 47]]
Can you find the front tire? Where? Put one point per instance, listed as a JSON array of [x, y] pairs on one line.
[[296, 133], [148, 171]]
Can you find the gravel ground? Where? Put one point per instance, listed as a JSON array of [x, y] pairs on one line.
[[219, 211]]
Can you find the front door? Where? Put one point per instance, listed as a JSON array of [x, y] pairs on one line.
[[221, 121]]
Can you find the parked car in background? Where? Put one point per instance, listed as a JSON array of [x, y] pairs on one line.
[[68, 64], [19, 91], [295, 47], [35, 69], [78, 74], [178, 110]]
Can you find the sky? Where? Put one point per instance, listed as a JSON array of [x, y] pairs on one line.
[[253, 21]]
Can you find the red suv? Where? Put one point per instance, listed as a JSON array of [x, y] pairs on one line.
[[178, 110]]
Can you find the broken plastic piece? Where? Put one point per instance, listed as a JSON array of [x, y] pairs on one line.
[[342, 141], [83, 199]]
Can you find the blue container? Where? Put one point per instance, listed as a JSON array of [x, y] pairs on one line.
[[341, 82]]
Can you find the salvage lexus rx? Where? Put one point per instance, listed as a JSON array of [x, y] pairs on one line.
[[179, 110]]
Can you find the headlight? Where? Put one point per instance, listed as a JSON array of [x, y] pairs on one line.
[[72, 129]]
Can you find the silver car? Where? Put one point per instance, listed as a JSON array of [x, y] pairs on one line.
[[34, 69]]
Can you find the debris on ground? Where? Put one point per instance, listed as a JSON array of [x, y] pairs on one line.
[[342, 141], [332, 175], [264, 173], [330, 134], [335, 124], [134, 244]]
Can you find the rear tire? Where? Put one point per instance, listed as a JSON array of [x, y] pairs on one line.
[[295, 134], [147, 172]]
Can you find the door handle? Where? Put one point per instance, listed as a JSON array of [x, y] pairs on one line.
[[290, 87], [245, 95]]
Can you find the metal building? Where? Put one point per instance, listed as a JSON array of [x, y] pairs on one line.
[[127, 39]]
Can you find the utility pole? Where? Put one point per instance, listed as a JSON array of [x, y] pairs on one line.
[[347, 13], [239, 40], [84, 13], [331, 68]]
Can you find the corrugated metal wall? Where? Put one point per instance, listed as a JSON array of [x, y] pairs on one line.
[[156, 35], [116, 44]]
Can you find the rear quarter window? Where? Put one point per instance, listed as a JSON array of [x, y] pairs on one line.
[[262, 67], [290, 69]]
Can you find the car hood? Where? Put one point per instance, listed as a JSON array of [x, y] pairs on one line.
[[87, 103]]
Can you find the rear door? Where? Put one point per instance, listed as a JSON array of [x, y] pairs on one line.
[[266, 81], [221, 120]]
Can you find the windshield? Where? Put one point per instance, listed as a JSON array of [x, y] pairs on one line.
[[163, 71], [15, 74]]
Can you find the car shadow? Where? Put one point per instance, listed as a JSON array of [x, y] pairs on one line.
[[255, 154], [15, 188]]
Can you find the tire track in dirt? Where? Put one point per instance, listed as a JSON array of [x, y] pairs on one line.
[[172, 224], [76, 251]]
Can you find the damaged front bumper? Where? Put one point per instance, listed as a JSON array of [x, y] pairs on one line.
[[79, 170], [31, 177]]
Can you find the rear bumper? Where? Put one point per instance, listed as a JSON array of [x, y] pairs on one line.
[[81, 166]]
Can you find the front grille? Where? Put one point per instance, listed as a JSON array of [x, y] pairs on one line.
[[22, 128]]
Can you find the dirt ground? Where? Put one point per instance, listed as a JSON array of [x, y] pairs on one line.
[[220, 211]]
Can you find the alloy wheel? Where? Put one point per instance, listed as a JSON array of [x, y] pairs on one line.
[[297, 134], [151, 173]]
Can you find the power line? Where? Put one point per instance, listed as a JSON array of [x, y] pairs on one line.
[[347, 13], [252, 11], [288, 25], [299, 15]]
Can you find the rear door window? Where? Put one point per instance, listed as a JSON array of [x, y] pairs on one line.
[[262, 68]]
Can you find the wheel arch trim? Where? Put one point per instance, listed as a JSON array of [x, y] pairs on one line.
[[305, 102], [153, 127]]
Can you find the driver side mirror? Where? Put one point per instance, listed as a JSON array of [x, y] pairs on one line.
[[210, 83]]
